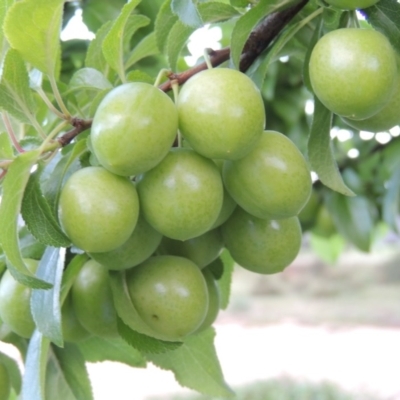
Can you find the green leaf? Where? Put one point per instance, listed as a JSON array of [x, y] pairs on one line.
[[216, 268], [35, 368], [70, 273], [320, 152], [113, 43], [384, 16], [195, 365], [145, 48], [45, 304], [13, 189], [29, 245], [177, 38], [139, 76], [217, 12], [145, 344], [328, 249], [88, 78], [165, 20], [97, 12], [187, 13], [38, 215], [239, 3], [15, 95], [249, 21], [13, 371], [94, 56], [96, 349], [33, 28], [225, 281], [353, 219], [72, 366], [391, 201], [6, 150], [126, 310]]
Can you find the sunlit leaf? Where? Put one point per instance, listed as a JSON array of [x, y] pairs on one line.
[[187, 13], [145, 48]]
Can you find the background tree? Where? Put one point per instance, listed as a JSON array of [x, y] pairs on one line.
[[50, 91]]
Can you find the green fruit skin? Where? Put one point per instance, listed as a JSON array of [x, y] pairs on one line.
[[324, 225], [384, 119], [202, 250], [353, 72], [93, 302], [170, 294], [181, 197], [5, 383], [15, 308], [273, 181], [73, 331], [138, 248], [98, 210], [261, 245], [351, 4], [214, 300], [221, 113], [308, 213], [133, 128]]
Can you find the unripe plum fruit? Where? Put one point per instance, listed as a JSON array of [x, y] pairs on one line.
[[15, 302], [138, 248], [221, 113], [170, 294], [182, 196], [93, 302], [384, 119], [353, 72], [273, 181], [98, 210], [202, 250], [73, 331], [133, 128], [5, 383], [261, 245], [351, 4]]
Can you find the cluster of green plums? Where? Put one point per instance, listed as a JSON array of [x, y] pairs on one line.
[[160, 215], [354, 73]]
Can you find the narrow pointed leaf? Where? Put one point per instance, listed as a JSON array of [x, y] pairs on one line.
[[89, 78], [33, 28], [15, 95], [35, 368], [320, 152], [195, 365], [145, 48], [13, 189], [165, 20], [72, 366], [45, 304], [187, 12], [38, 215], [6, 150], [225, 281], [13, 371], [94, 56]]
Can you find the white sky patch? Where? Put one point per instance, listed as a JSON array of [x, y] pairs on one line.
[[383, 137], [353, 153], [395, 131], [309, 107], [344, 134], [284, 59], [76, 29], [366, 135], [201, 39], [314, 176]]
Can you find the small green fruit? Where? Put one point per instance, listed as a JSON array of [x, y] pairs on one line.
[[72, 329], [170, 294]]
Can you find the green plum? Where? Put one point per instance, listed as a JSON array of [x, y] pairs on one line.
[[324, 225], [72, 329], [133, 128], [221, 113], [353, 72], [140, 246], [98, 210], [261, 245], [202, 250], [273, 181], [93, 302], [214, 301], [351, 4], [170, 294], [15, 302], [5, 383], [182, 196]]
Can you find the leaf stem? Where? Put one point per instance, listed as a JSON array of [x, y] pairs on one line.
[[57, 95], [49, 104], [48, 145], [206, 55], [11, 133], [164, 73]]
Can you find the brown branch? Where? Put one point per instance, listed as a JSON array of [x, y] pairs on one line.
[[258, 41]]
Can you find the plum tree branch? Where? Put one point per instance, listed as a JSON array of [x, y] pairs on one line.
[[258, 41]]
